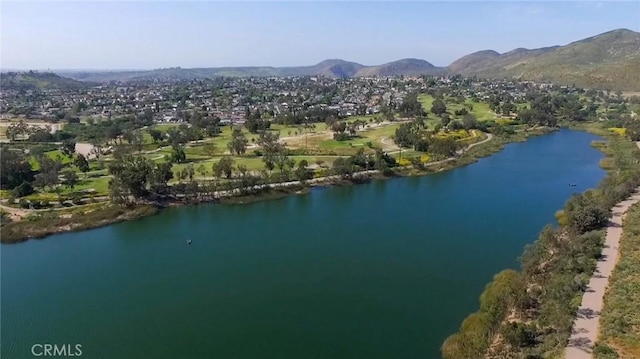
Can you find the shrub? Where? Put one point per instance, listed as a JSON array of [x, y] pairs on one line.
[[23, 189], [340, 136], [24, 203], [588, 218], [519, 334], [603, 351]]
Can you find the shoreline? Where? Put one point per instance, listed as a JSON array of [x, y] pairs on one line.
[[500, 322], [586, 324], [51, 223]]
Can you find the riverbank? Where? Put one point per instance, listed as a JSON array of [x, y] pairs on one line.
[[530, 312], [619, 334], [587, 322], [51, 223], [45, 223]]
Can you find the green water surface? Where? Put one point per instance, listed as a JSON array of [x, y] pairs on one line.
[[382, 270]]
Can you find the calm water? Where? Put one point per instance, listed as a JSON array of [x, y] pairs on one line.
[[382, 270]]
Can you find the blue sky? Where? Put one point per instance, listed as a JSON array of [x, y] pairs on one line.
[[155, 34]]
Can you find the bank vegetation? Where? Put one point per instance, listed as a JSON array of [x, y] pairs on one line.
[[528, 313]]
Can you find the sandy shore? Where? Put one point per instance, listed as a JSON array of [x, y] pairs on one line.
[[85, 149]]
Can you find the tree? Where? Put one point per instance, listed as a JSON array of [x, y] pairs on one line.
[[438, 107], [176, 137], [507, 108], [156, 135], [202, 170], [190, 171], [238, 144], [224, 166], [17, 129], [182, 175], [161, 174], [14, 168], [270, 147], [443, 147], [586, 218], [49, 168], [339, 129], [46, 179], [302, 173], [469, 122], [343, 167], [137, 140], [22, 190], [209, 149], [68, 148], [130, 176], [406, 135], [178, 155], [82, 164], [69, 179], [411, 107]]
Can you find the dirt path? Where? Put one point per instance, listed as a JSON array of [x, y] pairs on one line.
[[15, 214], [585, 327]]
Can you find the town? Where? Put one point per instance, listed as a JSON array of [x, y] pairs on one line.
[[408, 179], [229, 99]]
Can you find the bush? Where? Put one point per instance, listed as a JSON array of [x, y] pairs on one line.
[[22, 190], [340, 136], [519, 334], [24, 203], [76, 198], [588, 218], [603, 351]]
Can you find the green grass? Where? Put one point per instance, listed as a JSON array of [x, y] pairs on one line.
[[481, 110], [99, 185], [253, 163], [35, 165]]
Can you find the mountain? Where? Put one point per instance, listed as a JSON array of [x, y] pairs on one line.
[[330, 68], [32, 80], [334, 68], [404, 67], [607, 61]]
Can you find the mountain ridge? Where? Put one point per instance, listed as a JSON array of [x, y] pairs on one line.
[[610, 60]]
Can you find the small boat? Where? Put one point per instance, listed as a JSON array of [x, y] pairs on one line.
[[572, 184], [188, 241]]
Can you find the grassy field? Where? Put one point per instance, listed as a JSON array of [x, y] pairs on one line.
[[480, 110], [620, 321], [317, 143], [35, 165], [98, 186]]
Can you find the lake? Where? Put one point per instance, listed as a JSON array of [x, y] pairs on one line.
[[386, 269]]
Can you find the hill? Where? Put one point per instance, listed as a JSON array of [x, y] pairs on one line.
[[333, 68], [38, 80], [608, 61], [404, 67], [329, 68]]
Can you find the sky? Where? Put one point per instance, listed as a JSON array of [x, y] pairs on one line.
[[159, 34]]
